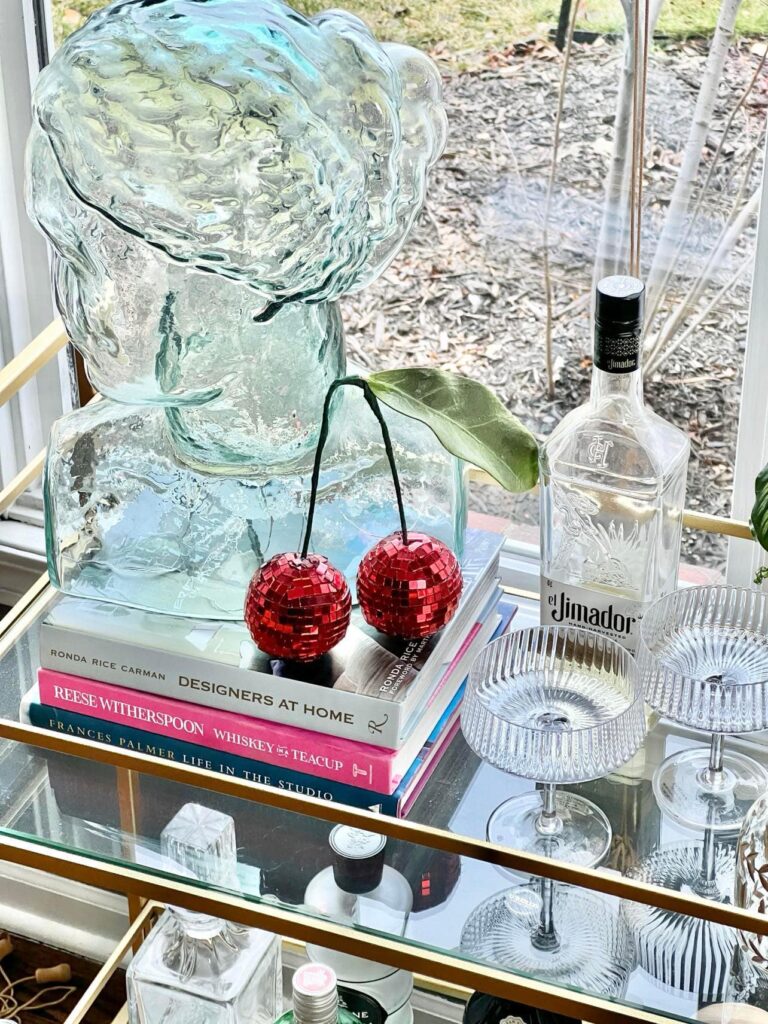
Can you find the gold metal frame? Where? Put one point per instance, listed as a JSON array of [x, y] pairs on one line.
[[129, 942], [445, 967], [140, 885]]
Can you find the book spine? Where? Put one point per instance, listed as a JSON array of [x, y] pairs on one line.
[[344, 761], [279, 777], [352, 716]]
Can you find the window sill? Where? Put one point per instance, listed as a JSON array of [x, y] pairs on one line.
[[22, 559]]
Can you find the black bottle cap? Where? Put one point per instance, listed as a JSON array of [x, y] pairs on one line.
[[358, 858], [483, 1009], [620, 304], [619, 313]]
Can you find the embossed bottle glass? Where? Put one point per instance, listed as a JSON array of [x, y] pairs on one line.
[[198, 969], [613, 479]]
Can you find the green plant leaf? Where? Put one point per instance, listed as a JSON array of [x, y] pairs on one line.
[[759, 517], [468, 419]]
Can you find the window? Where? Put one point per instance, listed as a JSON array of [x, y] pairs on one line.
[[25, 297], [529, 205]]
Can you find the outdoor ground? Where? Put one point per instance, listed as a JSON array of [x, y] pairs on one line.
[[467, 291]]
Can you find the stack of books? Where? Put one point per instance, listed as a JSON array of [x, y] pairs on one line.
[[365, 725]]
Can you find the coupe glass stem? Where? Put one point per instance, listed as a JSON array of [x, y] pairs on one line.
[[545, 937], [705, 885], [548, 823], [713, 774]]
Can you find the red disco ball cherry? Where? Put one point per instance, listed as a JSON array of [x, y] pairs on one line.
[[297, 608], [410, 588]]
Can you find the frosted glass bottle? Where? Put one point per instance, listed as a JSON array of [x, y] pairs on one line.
[[316, 998], [360, 889], [197, 969], [613, 477]]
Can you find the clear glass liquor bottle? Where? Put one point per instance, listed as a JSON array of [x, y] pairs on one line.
[[613, 477], [315, 998], [359, 888], [197, 969]]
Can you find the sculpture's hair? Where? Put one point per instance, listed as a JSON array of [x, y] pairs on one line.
[[243, 139]]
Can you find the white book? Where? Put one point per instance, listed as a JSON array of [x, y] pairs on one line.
[[369, 688]]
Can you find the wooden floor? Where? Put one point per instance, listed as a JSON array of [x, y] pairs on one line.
[[29, 956]]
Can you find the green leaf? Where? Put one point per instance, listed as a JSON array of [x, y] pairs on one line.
[[468, 419], [759, 518]]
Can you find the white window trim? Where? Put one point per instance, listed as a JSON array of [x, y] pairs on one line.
[[26, 304], [745, 557]]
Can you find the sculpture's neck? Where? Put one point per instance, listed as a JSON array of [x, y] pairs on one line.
[[269, 410]]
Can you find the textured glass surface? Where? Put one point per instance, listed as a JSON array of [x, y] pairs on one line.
[[678, 952], [589, 944], [197, 969], [212, 177], [555, 705], [703, 661], [752, 877]]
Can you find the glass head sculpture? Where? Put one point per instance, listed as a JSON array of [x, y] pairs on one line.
[[212, 177]]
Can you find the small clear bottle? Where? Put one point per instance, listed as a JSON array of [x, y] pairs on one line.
[[613, 477], [316, 998], [360, 889], [198, 969]]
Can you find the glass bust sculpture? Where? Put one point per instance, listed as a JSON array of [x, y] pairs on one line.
[[212, 178]]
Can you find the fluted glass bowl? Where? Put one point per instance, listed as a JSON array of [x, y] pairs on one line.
[[703, 662], [557, 705]]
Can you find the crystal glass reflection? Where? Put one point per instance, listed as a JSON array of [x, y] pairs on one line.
[[582, 941], [687, 954], [703, 661], [556, 705], [212, 178]]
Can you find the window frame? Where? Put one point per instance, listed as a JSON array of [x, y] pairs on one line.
[[26, 303]]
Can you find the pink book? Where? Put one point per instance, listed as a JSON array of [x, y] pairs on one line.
[[326, 757]]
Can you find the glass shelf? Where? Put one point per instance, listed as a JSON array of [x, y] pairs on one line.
[[669, 964]]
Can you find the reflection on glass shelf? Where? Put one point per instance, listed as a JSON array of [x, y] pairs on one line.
[[560, 933], [74, 804]]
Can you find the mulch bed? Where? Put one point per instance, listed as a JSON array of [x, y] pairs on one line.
[[467, 291]]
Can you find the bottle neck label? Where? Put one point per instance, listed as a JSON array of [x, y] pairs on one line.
[[362, 1006], [610, 615], [617, 353]]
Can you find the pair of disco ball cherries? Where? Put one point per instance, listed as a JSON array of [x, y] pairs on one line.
[[298, 605]]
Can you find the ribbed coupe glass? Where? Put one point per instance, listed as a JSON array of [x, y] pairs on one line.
[[557, 705], [703, 662]]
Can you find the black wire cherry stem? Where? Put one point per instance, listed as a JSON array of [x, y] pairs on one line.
[[373, 402]]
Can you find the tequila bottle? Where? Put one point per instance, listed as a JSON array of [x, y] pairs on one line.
[[613, 477], [198, 969], [360, 889]]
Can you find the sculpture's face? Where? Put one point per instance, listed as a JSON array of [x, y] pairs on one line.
[[199, 164]]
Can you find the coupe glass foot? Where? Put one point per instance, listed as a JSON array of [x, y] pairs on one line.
[[583, 837], [691, 794], [592, 949]]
